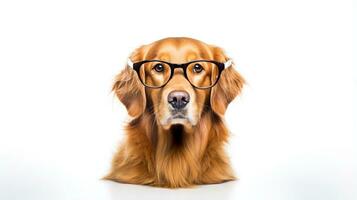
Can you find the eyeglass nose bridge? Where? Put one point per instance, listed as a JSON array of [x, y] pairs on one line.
[[183, 66], [179, 66], [176, 65]]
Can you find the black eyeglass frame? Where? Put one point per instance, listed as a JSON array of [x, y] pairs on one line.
[[221, 66]]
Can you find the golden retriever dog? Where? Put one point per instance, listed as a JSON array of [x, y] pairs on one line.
[[176, 91]]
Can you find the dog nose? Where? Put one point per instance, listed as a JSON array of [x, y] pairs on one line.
[[178, 99]]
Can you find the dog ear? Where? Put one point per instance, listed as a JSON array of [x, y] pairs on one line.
[[130, 91], [228, 87]]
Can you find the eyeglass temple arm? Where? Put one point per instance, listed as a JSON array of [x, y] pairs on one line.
[[228, 63], [130, 63]]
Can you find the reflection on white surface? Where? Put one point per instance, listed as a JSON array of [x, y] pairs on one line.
[[310, 178], [222, 191]]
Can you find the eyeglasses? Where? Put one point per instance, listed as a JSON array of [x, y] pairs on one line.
[[201, 74]]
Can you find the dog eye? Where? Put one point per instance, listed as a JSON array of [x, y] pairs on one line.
[[158, 68], [197, 68]]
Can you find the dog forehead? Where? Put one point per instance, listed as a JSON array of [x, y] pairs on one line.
[[178, 50]]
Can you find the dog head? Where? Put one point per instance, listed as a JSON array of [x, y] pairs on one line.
[[178, 101]]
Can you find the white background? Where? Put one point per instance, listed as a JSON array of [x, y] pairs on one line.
[[292, 128]]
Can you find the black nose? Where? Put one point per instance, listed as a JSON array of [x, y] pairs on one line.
[[178, 99]]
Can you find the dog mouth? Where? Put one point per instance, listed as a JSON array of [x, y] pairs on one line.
[[178, 116]]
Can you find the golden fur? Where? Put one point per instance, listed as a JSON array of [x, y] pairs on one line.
[[167, 155]]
